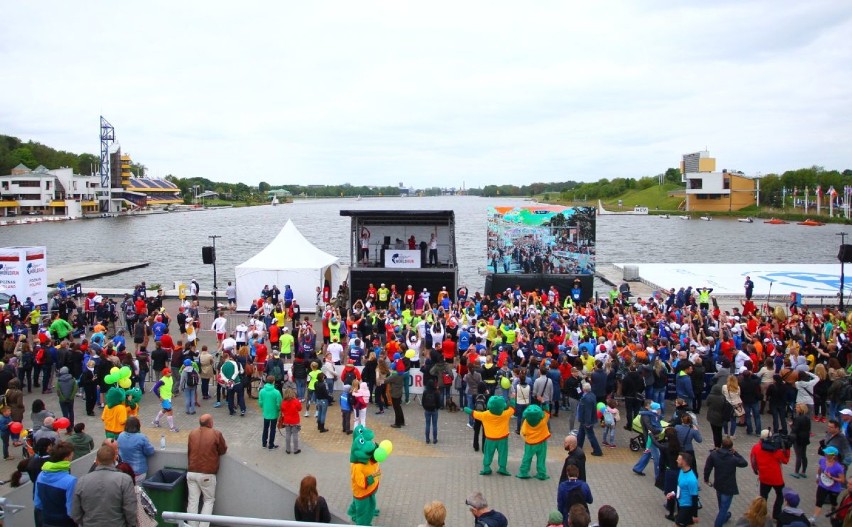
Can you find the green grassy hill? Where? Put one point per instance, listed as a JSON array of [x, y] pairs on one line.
[[656, 197]]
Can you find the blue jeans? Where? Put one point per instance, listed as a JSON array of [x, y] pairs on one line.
[[724, 501], [406, 379], [519, 415], [189, 395], [301, 385], [609, 435], [269, 432], [652, 453], [832, 409], [329, 384], [752, 412], [322, 408], [659, 396], [593, 440], [431, 422]]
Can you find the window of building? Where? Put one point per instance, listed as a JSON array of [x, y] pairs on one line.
[[708, 196], [29, 184], [727, 183], [696, 184]]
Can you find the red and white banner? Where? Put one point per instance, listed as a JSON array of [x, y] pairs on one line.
[[23, 273]]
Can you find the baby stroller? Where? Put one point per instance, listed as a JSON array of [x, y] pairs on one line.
[[637, 443]]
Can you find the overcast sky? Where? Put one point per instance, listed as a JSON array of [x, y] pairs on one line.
[[433, 93]]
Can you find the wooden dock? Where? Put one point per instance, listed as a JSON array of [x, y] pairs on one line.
[[75, 272]]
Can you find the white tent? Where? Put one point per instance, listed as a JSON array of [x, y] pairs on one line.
[[291, 260]]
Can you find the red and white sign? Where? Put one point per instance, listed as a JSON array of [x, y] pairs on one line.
[[23, 273]]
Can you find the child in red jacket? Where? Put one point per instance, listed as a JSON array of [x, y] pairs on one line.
[[290, 420]]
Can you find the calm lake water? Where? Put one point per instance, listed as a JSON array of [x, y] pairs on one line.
[[172, 242]]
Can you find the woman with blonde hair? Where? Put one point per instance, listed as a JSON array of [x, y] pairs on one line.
[[435, 514], [756, 515], [821, 393], [731, 391], [309, 505]]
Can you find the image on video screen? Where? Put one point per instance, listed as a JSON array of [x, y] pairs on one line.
[[541, 239]]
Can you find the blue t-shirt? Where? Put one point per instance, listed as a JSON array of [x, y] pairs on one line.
[[687, 486], [464, 341]]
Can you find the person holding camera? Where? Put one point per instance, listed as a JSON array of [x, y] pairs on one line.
[[767, 456], [835, 437]]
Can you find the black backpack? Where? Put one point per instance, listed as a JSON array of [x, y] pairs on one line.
[[430, 400], [27, 360], [480, 402], [192, 378], [349, 376], [575, 496], [276, 369]]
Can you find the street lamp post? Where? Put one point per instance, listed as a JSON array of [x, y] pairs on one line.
[[195, 194], [215, 296], [842, 265]]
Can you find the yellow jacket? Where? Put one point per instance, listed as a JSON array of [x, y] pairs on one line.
[[539, 433], [495, 426], [360, 473], [114, 418]]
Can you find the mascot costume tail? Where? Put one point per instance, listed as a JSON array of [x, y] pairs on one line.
[[495, 422], [364, 459]]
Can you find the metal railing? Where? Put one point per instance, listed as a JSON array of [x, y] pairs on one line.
[[8, 513], [181, 518]]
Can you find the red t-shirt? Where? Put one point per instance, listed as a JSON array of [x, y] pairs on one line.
[[448, 349], [260, 352]]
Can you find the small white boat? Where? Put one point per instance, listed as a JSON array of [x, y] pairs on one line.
[[706, 218], [274, 201], [683, 217], [664, 216], [745, 220]]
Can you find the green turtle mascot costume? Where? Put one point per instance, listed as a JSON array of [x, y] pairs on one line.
[[495, 422], [535, 433], [114, 415], [364, 459]]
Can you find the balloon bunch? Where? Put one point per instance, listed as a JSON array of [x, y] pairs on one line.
[[383, 451], [601, 409], [121, 376], [61, 424]]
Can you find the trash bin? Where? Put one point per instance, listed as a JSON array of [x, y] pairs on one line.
[[167, 489]]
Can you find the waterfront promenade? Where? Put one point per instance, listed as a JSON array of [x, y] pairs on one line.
[[416, 473]]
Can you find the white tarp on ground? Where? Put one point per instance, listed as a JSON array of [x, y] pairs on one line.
[[292, 260], [727, 279]]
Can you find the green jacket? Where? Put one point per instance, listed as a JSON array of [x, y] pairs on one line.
[[269, 400]]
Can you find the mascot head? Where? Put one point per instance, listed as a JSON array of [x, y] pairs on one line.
[[134, 396], [115, 396], [496, 404], [363, 445], [533, 414]]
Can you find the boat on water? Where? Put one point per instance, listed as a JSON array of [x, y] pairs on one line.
[[705, 218], [663, 216], [745, 220], [811, 223], [683, 217], [776, 221], [274, 201], [636, 211]]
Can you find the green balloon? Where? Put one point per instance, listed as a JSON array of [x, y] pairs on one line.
[[380, 454], [124, 372], [111, 379]]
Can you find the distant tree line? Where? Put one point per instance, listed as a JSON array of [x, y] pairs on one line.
[[13, 152]]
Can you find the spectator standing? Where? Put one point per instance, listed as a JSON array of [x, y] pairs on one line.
[[204, 448], [82, 442], [54, 488], [587, 414], [576, 457], [766, 460], [800, 429], [573, 491], [431, 401], [135, 448], [207, 366], [791, 515], [484, 515], [724, 461], [687, 492], [89, 383], [395, 382], [269, 400], [189, 381], [831, 479], [309, 505], [291, 406], [232, 373], [322, 397], [105, 497], [66, 391], [607, 517]]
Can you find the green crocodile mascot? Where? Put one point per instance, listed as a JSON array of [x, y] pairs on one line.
[[535, 433], [495, 422], [364, 458]]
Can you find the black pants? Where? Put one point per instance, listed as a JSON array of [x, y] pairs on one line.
[[478, 434], [717, 435], [398, 417], [632, 404], [433, 257], [779, 500], [91, 398], [801, 457], [28, 374], [696, 403]]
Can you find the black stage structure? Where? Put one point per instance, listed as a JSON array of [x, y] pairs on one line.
[[388, 236]]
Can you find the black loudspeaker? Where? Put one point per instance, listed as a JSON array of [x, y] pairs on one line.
[[845, 253], [208, 254]]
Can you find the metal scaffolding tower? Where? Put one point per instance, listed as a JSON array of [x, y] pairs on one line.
[[107, 138]]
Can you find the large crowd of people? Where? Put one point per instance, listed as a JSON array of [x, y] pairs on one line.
[[589, 359]]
